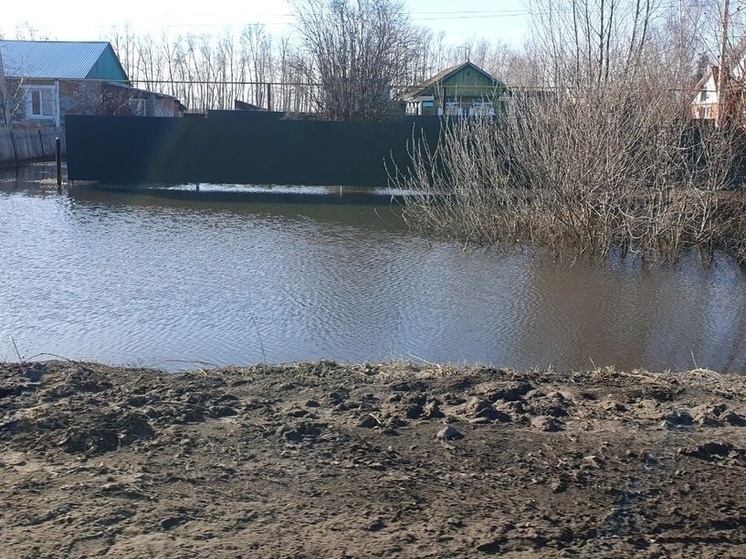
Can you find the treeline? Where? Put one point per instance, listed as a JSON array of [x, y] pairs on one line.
[[211, 71], [373, 40]]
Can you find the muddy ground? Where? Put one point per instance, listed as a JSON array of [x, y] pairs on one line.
[[324, 460]]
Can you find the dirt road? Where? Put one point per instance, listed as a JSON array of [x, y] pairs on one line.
[[331, 461]]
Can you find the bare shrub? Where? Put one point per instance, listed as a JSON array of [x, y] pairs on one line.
[[604, 160], [592, 174]]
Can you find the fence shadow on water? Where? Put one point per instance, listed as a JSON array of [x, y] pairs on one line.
[[241, 147]]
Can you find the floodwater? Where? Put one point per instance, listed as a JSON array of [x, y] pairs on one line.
[[177, 279]]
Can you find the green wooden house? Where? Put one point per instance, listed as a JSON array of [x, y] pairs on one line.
[[462, 90]]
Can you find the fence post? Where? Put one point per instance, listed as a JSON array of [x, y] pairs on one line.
[[58, 149], [15, 148]]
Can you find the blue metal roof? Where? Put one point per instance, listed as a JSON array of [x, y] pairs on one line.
[[61, 60]]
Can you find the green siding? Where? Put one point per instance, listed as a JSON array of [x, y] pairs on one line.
[[465, 83], [107, 67], [468, 90], [469, 83]]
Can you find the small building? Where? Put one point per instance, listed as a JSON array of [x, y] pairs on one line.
[[462, 90], [46, 80], [706, 103]]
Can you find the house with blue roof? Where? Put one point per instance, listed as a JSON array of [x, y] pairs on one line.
[[46, 80]]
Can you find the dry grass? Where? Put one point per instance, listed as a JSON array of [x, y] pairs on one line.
[[590, 175], [604, 159]]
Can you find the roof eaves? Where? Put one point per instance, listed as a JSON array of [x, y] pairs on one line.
[[53, 59], [445, 74], [432, 80]]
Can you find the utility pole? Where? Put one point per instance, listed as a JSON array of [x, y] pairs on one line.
[[723, 69]]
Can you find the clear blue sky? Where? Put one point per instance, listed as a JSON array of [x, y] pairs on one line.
[[504, 20]]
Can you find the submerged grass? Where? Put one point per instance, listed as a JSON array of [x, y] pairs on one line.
[[587, 176]]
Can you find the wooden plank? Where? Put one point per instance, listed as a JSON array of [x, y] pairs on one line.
[[30, 144], [6, 146]]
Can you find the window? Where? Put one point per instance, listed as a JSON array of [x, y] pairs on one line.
[[40, 101], [137, 106], [453, 108], [482, 108]]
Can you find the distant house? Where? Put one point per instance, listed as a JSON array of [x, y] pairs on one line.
[[46, 80], [463, 90], [706, 103]]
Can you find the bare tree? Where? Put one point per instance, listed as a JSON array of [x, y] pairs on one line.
[[27, 32], [355, 50], [124, 43], [256, 48], [592, 41]]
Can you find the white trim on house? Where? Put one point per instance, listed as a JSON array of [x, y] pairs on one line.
[[57, 103], [482, 108], [705, 105], [415, 106], [453, 108], [138, 106], [41, 102]]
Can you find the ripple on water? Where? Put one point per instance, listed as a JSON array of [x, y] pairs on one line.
[[126, 278]]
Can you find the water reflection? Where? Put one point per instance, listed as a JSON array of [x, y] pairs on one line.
[[671, 316], [142, 277], [33, 179], [354, 208]]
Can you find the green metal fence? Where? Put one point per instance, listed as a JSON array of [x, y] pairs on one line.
[[244, 147]]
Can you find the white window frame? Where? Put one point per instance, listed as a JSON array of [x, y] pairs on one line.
[[453, 108], [41, 90], [138, 106], [482, 108]]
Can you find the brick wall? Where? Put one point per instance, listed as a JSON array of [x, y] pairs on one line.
[[80, 98], [94, 97]]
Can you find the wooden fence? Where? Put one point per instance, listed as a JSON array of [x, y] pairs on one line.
[[32, 144]]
